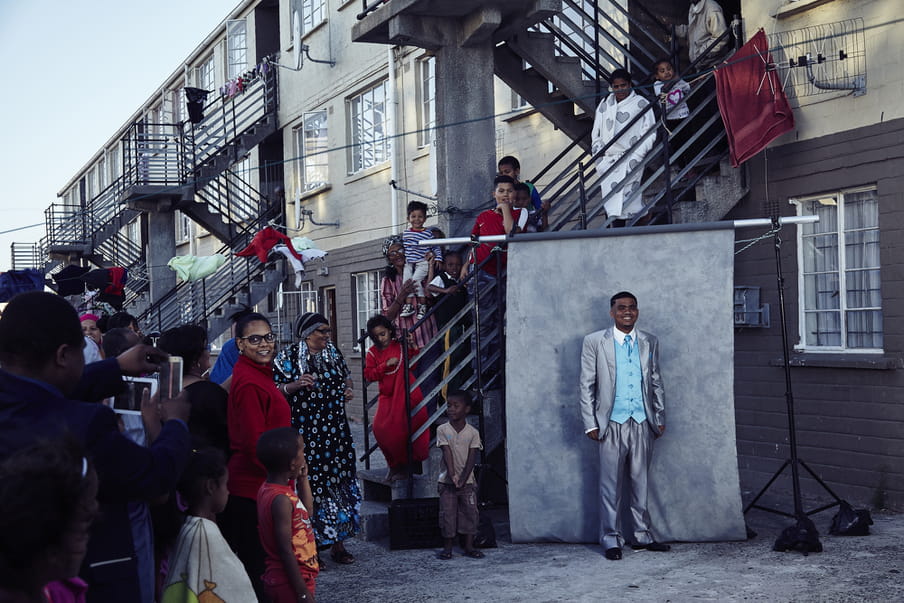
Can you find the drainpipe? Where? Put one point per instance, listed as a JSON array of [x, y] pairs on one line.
[[393, 163]]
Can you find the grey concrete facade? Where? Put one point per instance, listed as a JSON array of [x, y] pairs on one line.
[[683, 281]]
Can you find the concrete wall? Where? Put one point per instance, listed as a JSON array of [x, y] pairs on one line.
[[849, 414], [683, 281], [883, 32]]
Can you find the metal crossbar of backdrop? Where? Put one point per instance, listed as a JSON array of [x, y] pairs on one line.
[[559, 285]]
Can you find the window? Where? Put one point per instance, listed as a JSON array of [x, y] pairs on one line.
[[204, 74], [183, 227], [518, 102], [311, 12], [368, 129], [236, 48], [367, 301], [311, 146], [426, 115], [839, 280]]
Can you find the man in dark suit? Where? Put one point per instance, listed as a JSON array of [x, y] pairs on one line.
[[622, 407], [43, 374]]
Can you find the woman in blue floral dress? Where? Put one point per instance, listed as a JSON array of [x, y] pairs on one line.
[[315, 379]]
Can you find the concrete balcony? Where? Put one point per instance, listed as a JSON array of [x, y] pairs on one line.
[[435, 23]]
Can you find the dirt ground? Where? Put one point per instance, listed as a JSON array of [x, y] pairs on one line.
[[867, 568]]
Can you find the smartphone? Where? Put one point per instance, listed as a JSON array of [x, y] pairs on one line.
[[170, 377], [128, 402]]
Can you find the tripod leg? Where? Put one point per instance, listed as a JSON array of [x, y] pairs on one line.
[[766, 487]]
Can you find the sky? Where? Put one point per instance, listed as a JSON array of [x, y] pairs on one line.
[[75, 72]]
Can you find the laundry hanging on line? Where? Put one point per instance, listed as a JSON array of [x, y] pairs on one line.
[[193, 268]]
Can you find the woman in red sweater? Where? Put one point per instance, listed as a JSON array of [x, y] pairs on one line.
[[255, 406]]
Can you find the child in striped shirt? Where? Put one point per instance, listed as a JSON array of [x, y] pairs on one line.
[[417, 262]]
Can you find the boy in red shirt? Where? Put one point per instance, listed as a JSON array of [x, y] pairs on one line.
[[499, 221], [283, 519]]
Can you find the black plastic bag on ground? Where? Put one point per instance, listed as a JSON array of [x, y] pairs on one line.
[[850, 521]]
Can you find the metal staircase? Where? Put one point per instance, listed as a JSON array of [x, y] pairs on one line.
[[557, 67]]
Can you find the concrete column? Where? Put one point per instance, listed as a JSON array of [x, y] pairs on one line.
[[161, 248], [466, 138]]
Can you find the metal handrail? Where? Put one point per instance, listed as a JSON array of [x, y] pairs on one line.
[[425, 372]]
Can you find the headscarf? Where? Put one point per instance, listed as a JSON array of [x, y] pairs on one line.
[[308, 323], [390, 241], [88, 316]]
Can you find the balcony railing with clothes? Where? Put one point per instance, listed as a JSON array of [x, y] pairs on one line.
[[191, 302], [231, 116]]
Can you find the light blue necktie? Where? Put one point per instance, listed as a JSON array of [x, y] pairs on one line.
[[628, 343]]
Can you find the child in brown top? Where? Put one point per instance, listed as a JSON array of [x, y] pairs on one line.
[[457, 486]]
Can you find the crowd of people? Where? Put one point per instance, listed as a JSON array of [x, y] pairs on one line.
[[237, 486]]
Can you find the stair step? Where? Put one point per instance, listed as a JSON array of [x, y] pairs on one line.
[[374, 520]]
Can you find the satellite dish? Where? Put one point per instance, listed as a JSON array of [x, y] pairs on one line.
[[296, 35]]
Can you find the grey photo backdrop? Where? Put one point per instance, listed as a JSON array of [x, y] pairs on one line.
[[559, 291]]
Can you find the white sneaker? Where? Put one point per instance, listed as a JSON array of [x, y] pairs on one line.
[[421, 311], [407, 310]]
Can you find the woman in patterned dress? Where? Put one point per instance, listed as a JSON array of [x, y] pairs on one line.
[[315, 379]]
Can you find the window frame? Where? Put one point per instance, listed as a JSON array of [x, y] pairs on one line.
[[236, 48], [426, 100], [362, 142], [313, 159], [360, 316], [206, 74], [313, 13], [841, 270]]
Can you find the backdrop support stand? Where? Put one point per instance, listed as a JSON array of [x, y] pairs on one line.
[[806, 537]]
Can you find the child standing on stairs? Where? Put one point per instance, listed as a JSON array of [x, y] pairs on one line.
[[457, 486], [672, 93], [417, 257]]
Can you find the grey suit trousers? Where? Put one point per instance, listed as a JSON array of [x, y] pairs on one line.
[[627, 446]]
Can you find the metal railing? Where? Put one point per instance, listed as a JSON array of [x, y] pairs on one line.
[[24, 255], [231, 196], [467, 372], [155, 154], [671, 174], [228, 118], [192, 302]]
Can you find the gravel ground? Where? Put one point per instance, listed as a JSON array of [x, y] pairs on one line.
[[869, 568]]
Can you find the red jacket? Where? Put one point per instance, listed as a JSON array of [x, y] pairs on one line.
[[255, 406]]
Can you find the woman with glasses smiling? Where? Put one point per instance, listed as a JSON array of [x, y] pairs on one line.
[[255, 406], [314, 377]]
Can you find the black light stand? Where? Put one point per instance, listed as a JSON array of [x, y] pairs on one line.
[[803, 536]]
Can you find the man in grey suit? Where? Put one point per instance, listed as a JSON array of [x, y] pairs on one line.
[[622, 406]]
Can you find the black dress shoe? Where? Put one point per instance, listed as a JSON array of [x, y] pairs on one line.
[[613, 554], [653, 546]]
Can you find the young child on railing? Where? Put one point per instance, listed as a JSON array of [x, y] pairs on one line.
[[416, 257], [391, 423], [460, 444], [672, 94], [450, 296]]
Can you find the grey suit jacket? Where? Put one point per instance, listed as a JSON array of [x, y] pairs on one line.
[[598, 380]]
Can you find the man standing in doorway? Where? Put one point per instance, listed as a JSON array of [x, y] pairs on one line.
[[622, 406]]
